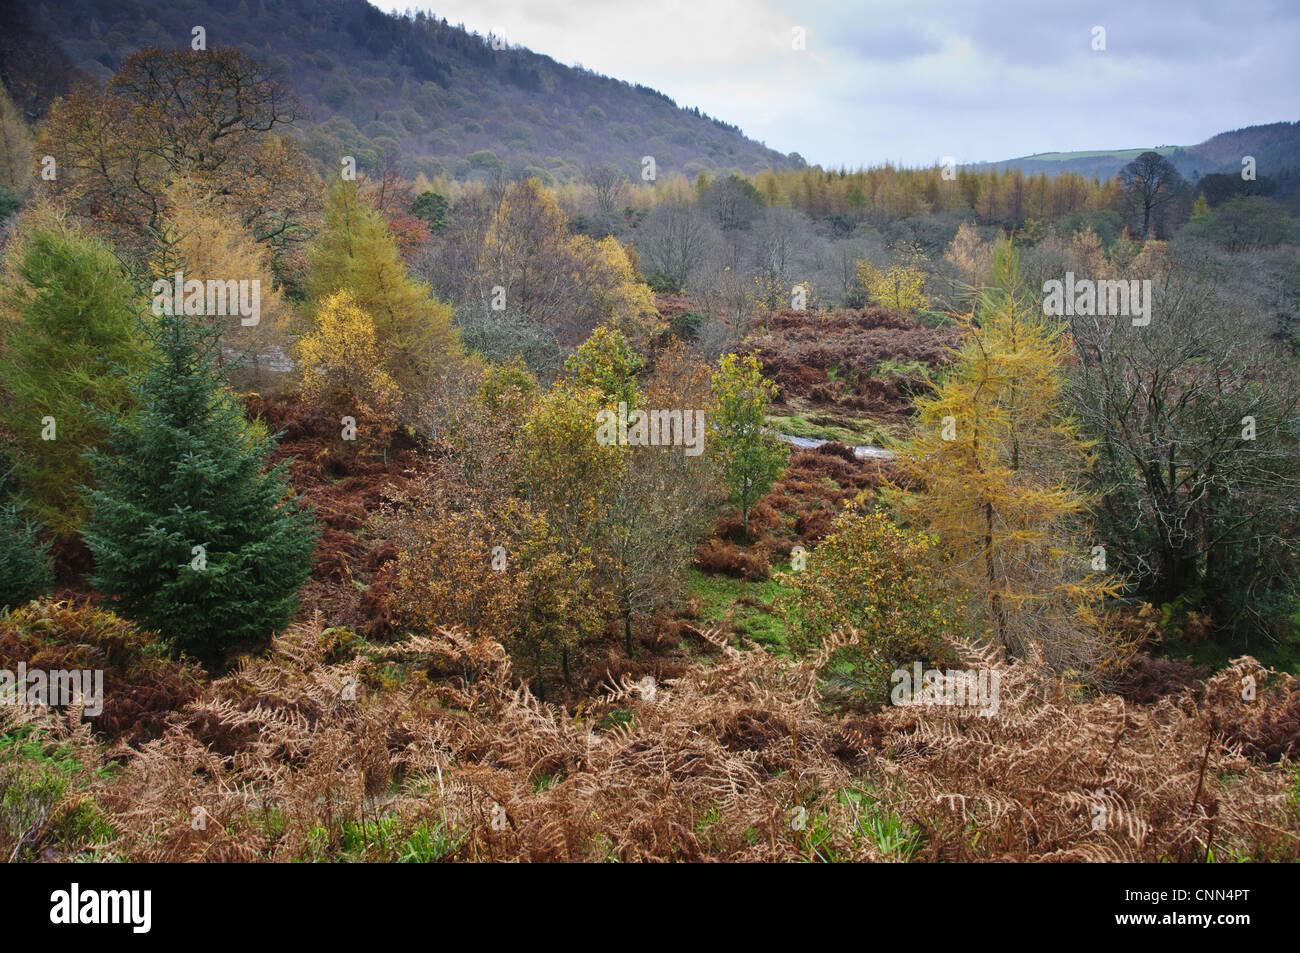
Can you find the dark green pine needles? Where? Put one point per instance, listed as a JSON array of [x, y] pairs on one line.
[[191, 535]]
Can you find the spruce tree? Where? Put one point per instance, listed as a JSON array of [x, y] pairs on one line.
[[25, 571], [191, 534]]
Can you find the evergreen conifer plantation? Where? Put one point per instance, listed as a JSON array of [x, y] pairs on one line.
[[191, 534]]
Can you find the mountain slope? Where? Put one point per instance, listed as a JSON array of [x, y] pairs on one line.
[[437, 95], [1276, 148]]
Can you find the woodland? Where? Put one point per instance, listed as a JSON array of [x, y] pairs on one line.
[[366, 581]]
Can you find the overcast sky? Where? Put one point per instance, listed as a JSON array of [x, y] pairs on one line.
[[912, 81]]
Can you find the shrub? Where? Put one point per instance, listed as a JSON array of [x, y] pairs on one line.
[[869, 575], [686, 325], [141, 685], [662, 283]]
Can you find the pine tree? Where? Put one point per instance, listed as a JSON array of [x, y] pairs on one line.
[[72, 326], [191, 535]]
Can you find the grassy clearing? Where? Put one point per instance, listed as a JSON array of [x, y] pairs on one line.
[[742, 608]]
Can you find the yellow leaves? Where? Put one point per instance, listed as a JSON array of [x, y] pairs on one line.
[[563, 468], [560, 280], [357, 252], [15, 149], [999, 458], [340, 360], [204, 236], [901, 286], [625, 301]]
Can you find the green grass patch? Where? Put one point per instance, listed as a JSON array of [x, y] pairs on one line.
[[871, 822], [742, 607], [387, 838], [894, 368], [35, 777]]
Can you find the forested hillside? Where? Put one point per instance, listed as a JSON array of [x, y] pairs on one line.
[[374, 85]]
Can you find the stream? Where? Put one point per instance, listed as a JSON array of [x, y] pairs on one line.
[[812, 443]]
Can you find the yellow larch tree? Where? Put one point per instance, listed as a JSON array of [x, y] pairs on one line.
[[413, 329], [204, 238], [1000, 463], [16, 170]]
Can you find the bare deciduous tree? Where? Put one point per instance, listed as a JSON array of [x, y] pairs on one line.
[[1196, 421]]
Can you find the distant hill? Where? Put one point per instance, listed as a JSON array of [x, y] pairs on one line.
[[1276, 148], [441, 97]]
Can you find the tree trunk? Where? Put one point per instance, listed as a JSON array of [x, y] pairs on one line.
[[995, 600]]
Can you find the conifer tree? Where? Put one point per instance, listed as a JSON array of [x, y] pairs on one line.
[[210, 243], [71, 325], [1001, 462], [191, 535], [15, 152], [357, 253], [24, 560]]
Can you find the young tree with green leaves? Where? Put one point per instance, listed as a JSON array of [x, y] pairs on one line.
[[566, 478], [608, 363], [192, 536], [749, 457], [657, 509], [871, 575]]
